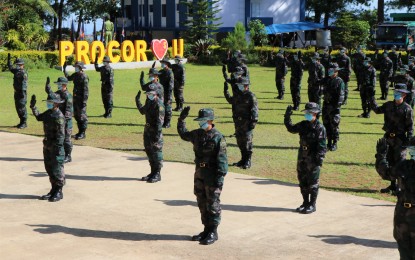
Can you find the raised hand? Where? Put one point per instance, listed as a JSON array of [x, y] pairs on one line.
[[138, 95], [289, 110], [382, 146], [154, 64], [33, 101], [225, 86], [142, 76], [96, 59], [223, 68], [64, 66], [184, 113], [8, 57], [47, 81]]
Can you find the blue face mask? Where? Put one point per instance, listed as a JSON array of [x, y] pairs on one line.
[[342, 52], [151, 78], [59, 86], [203, 124], [49, 105], [296, 58], [151, 96], [308, 116], [163, 65], [313, 60], [76, 69], [331, 72], [397, 95], [411, 151], [241, 87]]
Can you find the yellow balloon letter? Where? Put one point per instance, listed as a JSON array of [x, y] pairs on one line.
[[81, 51], [178, 50], [111, 45], [140, 50], [65, 49], [127, 51]]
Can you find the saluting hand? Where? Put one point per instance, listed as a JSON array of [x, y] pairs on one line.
[[142, 75], [33, 101], [47, 81], [225, 86], [382, 146], [138, 95], [289, 111], [184, 113], [8, 57]]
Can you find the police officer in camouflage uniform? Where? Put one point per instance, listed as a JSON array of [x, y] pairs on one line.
[[367, 90], [398, 127], [403, 77], [53, 151], [333, 99], [235, 77], [66, 107], [245, 117], [211, 161], [297, 67], [153, 81], [385, 76], [154, 112], [241, 63], [20, 88], [280, 72], [403, 222], [167, 81], [80, 97], [325, 59], [358, 60], [232, 61], [310, 154], [316, 74], [345, 66], [179, 79], [107, 84], [396, 60]]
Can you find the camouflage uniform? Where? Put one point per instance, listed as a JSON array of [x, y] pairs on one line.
[[367, 90], [316, 74], [280, 72], [107, 85], [395, 60], [211, 162], [245, 117], [310, 155], [385, 76], [398, 127], [153, 137], [67, 110], [333, 99], [402, 76], [179, 80], [358, 59], [325, 60], [53, 151], [345, 66], [80, 98], [232, 62], [297, 67], [235, 77], [403, 222], [20, 88], [167, 81], [154, 85]]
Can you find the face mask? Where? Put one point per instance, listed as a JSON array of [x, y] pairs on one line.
[[151, 78], [76, 69], [203, 124], [411, 150], [397, 95], [49, 105], [241, 87], [342, 52], [59, 87], [313, 60], [385, 55], [163, 65], [106, 63], [331, 72], [295, 58], [151, 96], [308, 116], [177, 61], [366, 64], [18, 67]]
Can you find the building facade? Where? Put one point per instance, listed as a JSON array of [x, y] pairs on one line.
[[163, 18]]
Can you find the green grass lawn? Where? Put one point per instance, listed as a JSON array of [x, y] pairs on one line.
[[349, 169]]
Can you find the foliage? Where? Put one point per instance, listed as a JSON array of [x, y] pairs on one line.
[[236, 39], [398, 4], [257, 33], [202, 20], [353, 32]]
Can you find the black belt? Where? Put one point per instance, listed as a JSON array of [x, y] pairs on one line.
[[408, 205], [304, 147], [205, 165]]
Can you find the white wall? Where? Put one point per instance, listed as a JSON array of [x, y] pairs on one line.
[[233, 11]]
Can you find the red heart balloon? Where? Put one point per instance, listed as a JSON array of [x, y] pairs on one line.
[[159, 48]]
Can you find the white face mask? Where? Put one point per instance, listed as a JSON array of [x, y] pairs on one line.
[[106, 63], [151, 78]]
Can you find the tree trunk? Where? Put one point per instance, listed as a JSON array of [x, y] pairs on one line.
[[55, 25], [60, 19], [381, 11]]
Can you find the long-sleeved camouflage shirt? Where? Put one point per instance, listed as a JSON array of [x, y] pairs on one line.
[[53, 126]]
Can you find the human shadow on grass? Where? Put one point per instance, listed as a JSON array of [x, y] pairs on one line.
[[118, 235], [134, 108], [114, 124], [19, 159], [360, 133], [124, 149], [356, 190], [268, 182], [344, 240], [238, 208], [352, 163], [18, 197], [268, 147], [86, 178]]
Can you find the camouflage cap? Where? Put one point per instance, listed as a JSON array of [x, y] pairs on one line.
[[106, 59], [401, 87], [152, 89], [205, 114], [243, 81], [61, 80], [368, 59], [385, 52], [316, 56], [178, 57], [335, 66], [153, 71], [238, 70], [242, 57], [54, 99], [165, 61], [405, 68], [19, 61], [311, 107], [79, 64], [343, 49]]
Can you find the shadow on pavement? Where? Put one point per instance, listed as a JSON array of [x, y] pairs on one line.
[[119, 235], [17, 159], [239, 208], [343, 240], [18, 197], [87, 178], [268, 182]]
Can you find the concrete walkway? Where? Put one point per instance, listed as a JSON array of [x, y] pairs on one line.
[[107, 214]]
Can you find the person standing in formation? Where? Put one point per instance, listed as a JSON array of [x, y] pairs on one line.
[[280, 72], [316, 75], [167, 81], [297, 67], [179, 73], [107, 84]]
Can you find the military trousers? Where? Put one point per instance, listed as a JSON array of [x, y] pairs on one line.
[[366, 94], [314, 93], [308, 172], [20, 100], [153, 146], [79, 113], [107, 94], [178, 93], [53, 157], [208, 195], [67, 142], [404, 230], [384, 82], [295, 87], [279, 83], [331, 120], [167, 107], [244, 135], [409, 99]]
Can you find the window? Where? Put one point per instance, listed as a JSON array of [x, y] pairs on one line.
[[164, 10], [151, 8], [177, 7]]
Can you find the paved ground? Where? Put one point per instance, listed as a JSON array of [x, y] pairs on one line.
[[107, 214]]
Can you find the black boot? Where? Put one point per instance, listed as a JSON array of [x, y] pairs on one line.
[[57, 195], [312, 205], [306, 201], [68, 158], [180, 106], [329, 144], [202, 235], [22, 124], [156, 177], [146, 178], [334, 146], [51, 192], [177, 106], [247, 162], [211, 237], [391, 188], [241, 162]]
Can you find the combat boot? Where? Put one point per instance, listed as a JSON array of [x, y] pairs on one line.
[[202, 235], [180, 106], [68, 158], [334, 146], [241, 162], [80, 135], [211, 237], [306, 201], [57, 195], [156, 177], [329, 144], [177, 106], [22, 124], [247, 162], [166, 125], [51, 192], [312, 205], [145, 178]]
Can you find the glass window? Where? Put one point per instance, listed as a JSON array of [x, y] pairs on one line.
[[164, 10], [151, 8]]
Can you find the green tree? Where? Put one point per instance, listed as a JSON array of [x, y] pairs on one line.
[[257, 33], [352, 32], [202, 19], [236, 39], [398, 4]]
